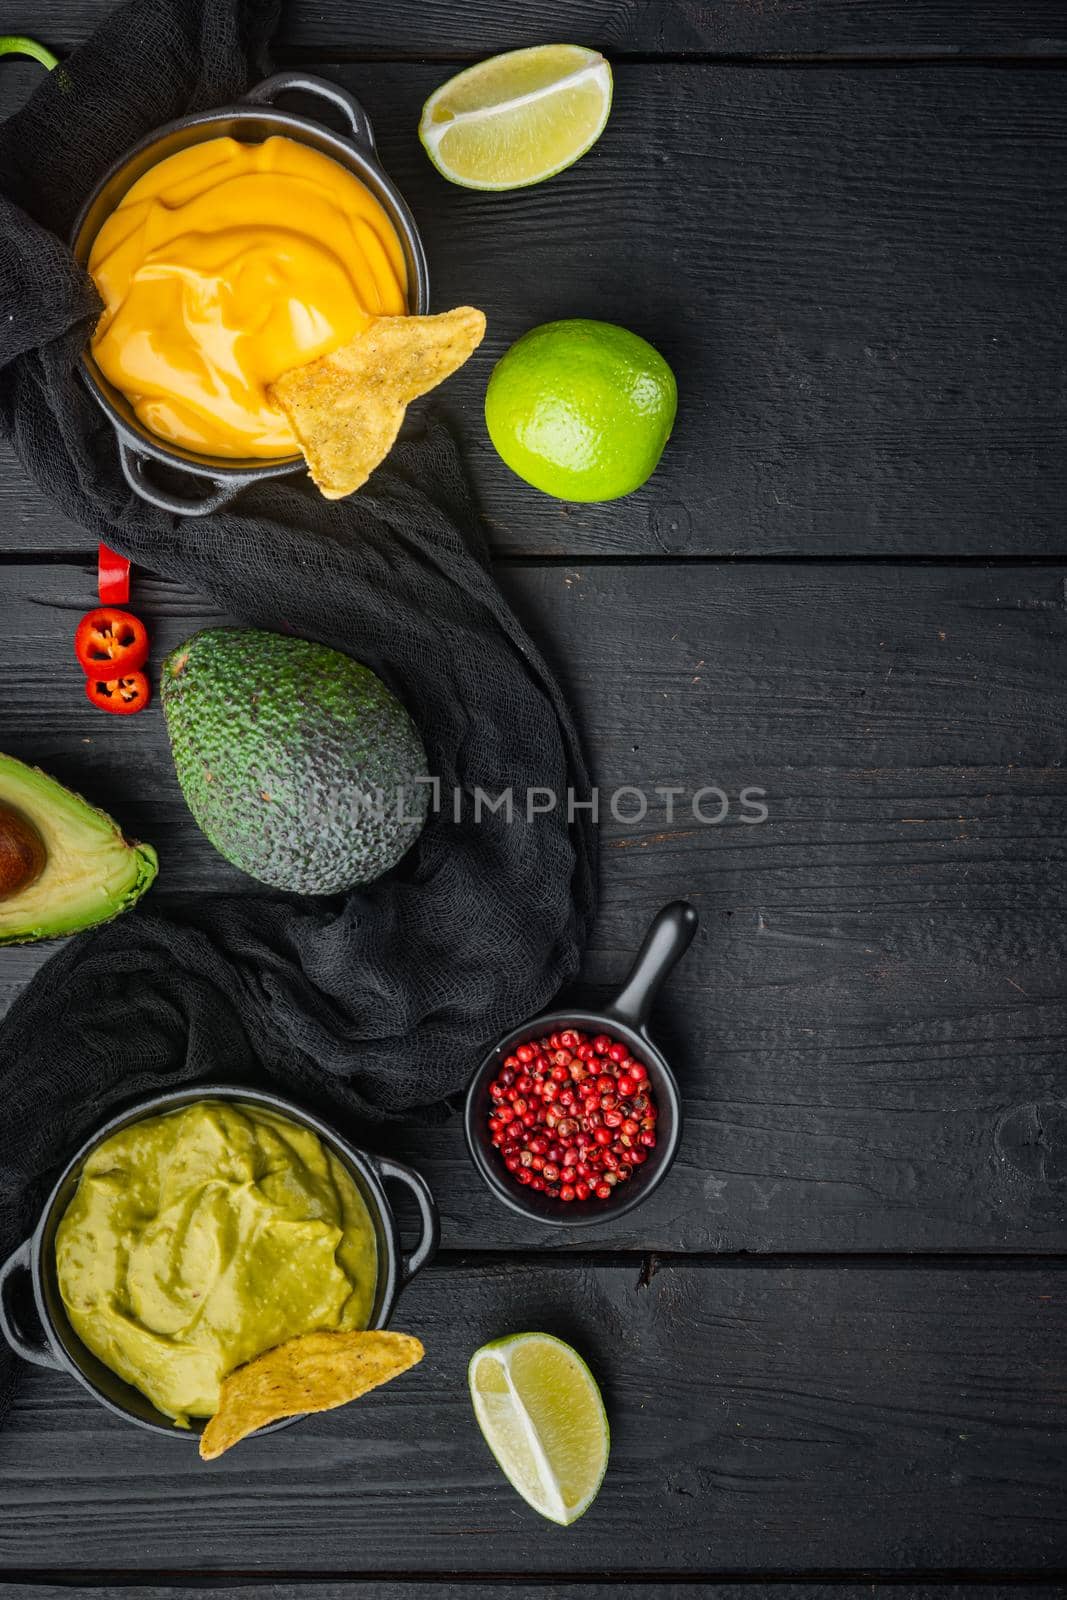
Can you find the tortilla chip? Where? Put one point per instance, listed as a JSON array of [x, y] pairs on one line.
[[346, 408], [315, 1372]]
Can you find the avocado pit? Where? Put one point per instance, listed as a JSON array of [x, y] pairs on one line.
[[22, 852]]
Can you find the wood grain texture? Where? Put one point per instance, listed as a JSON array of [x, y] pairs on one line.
[[857, 274], [430, 1588], [869, 1029], [646, 27], [762, 1419]]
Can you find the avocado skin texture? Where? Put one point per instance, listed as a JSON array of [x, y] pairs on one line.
[[90, 871], [278, 744]]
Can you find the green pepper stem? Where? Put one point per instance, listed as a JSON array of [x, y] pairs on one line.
[[15, 44]]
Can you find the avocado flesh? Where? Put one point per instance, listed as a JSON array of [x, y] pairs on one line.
[[90, 872]]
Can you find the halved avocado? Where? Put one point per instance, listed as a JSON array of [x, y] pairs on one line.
[[64, 865]]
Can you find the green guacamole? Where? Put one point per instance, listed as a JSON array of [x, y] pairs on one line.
[[199, 1239]]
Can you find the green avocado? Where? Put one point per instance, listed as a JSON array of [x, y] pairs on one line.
[[64, 865], [296, 761]]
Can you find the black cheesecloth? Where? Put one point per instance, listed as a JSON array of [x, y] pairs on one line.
[[373, 1004]]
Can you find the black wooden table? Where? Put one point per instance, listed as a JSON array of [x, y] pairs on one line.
[[833, 1344]]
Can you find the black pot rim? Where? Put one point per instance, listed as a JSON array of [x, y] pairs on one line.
[[361, 1161]]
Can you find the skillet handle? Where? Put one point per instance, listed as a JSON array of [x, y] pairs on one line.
[[136, 469], [359, 128], [667, 940], [39, 1351], [426, 1248]]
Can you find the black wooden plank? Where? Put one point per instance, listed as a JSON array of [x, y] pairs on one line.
[[645, 27], [785, 1419], [858, 275], [869, 1029], [429, 1588]]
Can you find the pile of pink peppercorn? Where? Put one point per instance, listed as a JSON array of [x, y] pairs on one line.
[[572, 1116]]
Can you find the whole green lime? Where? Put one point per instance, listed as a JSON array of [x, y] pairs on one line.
[[581, 409]]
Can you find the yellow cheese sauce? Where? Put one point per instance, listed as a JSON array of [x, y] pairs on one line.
[[198, 1239], [227, 265]]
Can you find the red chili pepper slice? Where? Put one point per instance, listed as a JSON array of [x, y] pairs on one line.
[[112, 577], [121, 696], [111, 641]]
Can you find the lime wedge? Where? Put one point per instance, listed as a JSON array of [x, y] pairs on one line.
[[538, 1405], [518, 118]]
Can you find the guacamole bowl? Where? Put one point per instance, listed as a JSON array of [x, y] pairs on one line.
[[34, 1318]]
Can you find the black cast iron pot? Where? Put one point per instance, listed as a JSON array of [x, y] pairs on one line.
[[197, 484], [55, 1344]]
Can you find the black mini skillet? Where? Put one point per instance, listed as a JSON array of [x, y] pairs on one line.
[[626, 1019]]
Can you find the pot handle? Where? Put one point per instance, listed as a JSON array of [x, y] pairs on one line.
[[667, 940], [40, 1352], [136, 469], [360, 130], [426, 1248]]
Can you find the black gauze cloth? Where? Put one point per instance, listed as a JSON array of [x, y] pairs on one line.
[[376, 1003]]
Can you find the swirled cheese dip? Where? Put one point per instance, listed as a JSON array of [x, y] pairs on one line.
[[197, 1240], [227, 265]]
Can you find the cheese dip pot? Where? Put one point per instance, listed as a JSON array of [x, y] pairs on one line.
[[29, 1282], [169, 472], [225, 267]]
